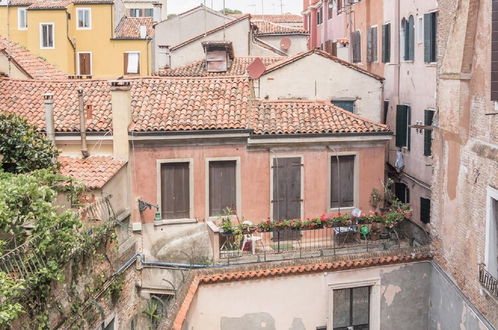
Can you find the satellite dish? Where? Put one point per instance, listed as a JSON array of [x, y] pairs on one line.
[[256, 69], [285, 43]]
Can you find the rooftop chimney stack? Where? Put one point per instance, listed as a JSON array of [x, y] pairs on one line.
[[143, 31], [84, 149], [156, 12], [48, 101], [121, 117]]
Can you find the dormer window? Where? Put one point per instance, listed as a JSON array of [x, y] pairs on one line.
[[219, 55]]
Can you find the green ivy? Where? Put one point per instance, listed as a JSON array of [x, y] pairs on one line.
[[23, 147]]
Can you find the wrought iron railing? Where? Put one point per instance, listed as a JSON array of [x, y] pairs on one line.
[[488, 281], [290, 243]]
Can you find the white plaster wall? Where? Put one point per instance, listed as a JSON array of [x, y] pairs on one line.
[[238, 34], [177, 29], [317, 78], [306, 298], [299, 43]]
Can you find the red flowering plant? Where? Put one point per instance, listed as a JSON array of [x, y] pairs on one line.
[[265, 226]]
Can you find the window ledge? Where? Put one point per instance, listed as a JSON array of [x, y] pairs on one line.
[[343, 209], [174, 222]]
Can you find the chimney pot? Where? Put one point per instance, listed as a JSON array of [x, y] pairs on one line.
[[48, 101]]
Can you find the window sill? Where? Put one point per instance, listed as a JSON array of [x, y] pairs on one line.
[[343, 209], [431, 64], [174, 222]]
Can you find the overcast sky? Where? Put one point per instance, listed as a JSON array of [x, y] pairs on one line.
[[246, 6]]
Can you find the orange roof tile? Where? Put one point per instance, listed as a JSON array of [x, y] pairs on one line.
[[269, 28], [190, 104], [297, 57], [94, 172], [25, 98], [308, 117], [197, 69], [34, 66], [129, 27]]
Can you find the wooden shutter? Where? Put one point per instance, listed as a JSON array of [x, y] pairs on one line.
[[411, 38], [342, 181], [175, 190], [286, 188], [401, 125], [125, 63], [222, 187], [386, 111], [386, 43], [494, 52], [370, 45], [425, 210], [428, 37], [374, 44], [84, 59], [428, 119]]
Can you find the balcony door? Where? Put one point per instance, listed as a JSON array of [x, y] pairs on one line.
[[287, 198]]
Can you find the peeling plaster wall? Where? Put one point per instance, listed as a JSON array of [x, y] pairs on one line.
[[302, 302]]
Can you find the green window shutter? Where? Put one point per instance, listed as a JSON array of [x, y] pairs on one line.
[[428, 117], [425, 210], [434, 37], [401, 126], [386, 43], [427, 37], [369, 45], [411, 38], [374, 44]]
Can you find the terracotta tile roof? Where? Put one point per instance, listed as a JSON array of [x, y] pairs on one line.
[[219, 28], [129, 27], [269, 28], [94, 172], [297, 57], [308, 117], [285, 18], [34, 66], [276, 269], [190, 104], [25, 98], [197, 69]]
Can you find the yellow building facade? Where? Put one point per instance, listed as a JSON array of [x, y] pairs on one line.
[[81, 38]]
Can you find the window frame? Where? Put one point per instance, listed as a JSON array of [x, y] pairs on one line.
[[78, 10], [78, 63], [190, 162], [356, 183], [356, 59], [19, 11], [491, 230], [375, 295], [373, 39], [53, 35], [126, 68], [286, 155], [238, 199], [353, 101]]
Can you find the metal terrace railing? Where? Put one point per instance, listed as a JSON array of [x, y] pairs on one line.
[[488, 281], [22, 261], [304, 243]]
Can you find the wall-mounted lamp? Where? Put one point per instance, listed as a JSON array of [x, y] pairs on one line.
[[143, 205]]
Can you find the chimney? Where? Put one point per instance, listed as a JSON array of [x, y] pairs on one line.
[[156, 12], [48, 101], [219, 55], [143, 31], [121, 117], [81, 108]]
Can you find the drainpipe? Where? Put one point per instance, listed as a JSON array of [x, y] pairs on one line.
[[84, 149], [397, 49], [48, 102]]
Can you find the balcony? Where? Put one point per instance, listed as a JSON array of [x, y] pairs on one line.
[[488, 281], [276, 244]]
